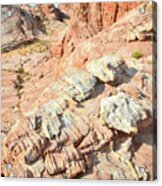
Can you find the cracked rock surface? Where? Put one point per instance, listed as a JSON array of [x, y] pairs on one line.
[[77, 102], [80, 85], [17, 26], [122, 113], [107, 69]]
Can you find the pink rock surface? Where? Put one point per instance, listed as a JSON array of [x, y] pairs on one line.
[[50, 132]]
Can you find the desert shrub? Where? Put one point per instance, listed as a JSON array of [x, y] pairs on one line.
[[3, 50], [137, 55], [19, 83], [20, 70]]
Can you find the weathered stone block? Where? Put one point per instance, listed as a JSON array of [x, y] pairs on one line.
[[107, 69], [122, 113]]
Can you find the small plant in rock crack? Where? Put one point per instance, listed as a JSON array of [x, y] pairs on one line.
[[137, 55], [21, 77], [19, 95], [3, 50], [20, 70], [19, 83]]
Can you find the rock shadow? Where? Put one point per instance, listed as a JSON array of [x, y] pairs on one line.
[[128, 75], [61, 16], [144, 137], [99, 89]]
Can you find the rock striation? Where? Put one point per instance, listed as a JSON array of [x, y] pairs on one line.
[[80, 85], [93, 18], [78, 102]]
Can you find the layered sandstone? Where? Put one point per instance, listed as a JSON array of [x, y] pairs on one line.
[[76, 103]]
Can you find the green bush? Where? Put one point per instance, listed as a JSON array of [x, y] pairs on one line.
[[3, 50], [19, 94], [20, 70], [137, 55]]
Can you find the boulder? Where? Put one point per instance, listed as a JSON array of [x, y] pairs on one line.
[[17, 27], [80, 85], [122, 113], [108, 69]]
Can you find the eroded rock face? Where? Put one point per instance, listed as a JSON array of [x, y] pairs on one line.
[[86, 110], [40, 12], [97, 15], [64, 150], [130, 31], [17, 26], [88, 19], [80, 85], [23, 23], [30, 144], [122, 113], [70, 161], [107, 69]]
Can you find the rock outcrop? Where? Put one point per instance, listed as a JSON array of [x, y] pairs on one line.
[[122, 113], [97, 15], [78, 103], [23, 23], [93, 18], [107, 69], [17, 27], [132, 31], [80, 85]]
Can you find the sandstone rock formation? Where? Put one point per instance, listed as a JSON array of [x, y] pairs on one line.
[[17, 27], [80, 85], [22, 23], [77, 103], [122, 113], [97, 16], [131, 27], [93, 18], [107, 69]]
